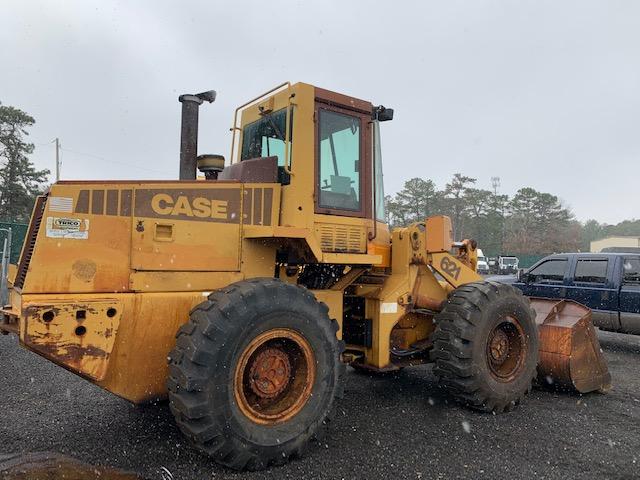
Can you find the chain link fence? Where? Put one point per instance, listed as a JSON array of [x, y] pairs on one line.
[[18, 232]]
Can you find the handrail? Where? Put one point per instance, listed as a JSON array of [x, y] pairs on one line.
[[287, 134], [234, 128], [374, 185]]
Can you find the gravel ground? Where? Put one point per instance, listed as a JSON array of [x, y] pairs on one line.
[[394, 427]]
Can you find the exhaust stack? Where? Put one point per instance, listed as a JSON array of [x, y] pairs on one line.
[[189, 131]]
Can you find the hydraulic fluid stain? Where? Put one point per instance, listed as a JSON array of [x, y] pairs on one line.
[[51, 466]]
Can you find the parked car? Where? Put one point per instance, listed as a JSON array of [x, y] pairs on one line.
[[607, 283], [483, 265]]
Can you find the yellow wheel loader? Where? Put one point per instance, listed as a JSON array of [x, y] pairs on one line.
[[242, 295]]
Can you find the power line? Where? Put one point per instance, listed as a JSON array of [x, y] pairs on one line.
[[61, 149], [112, 161]]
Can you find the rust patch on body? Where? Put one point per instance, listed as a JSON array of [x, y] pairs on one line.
[[84, 269], [81, 343], [72, 355]]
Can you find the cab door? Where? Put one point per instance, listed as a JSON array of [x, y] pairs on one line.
[[547, 279], [343, 190], [592, 285], [630, 295]]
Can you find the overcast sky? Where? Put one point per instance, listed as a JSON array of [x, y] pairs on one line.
[[540, 93]]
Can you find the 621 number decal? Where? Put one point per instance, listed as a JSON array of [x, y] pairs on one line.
[[449, 267]]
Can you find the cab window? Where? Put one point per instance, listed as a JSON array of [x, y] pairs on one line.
[[591, 271], [265, 137], [339, 165], [631, 269], [549, 271]]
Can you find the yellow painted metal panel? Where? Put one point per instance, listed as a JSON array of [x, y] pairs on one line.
[[181, 281], [351, 258], [136, 366], [78, 335], [79, 251], [453, 270], [201, 227], [333, 300]]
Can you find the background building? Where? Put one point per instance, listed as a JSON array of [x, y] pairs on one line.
[[616, 244]]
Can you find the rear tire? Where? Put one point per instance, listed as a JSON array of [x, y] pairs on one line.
[[255, 372], [486, 346]]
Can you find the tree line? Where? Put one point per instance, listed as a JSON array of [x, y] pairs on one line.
[[528, 223]]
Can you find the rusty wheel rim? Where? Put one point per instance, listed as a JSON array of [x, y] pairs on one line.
[[274, 377], [506, 350]]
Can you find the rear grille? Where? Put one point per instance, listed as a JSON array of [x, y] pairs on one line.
[[30, 241], [341, 238]]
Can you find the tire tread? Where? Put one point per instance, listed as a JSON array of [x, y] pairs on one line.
[[456, 331], [194, 356]]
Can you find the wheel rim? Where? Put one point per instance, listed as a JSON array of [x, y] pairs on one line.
[[506, 349], [274, 377]]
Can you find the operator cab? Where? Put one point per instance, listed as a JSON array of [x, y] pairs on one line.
[[344, 155]]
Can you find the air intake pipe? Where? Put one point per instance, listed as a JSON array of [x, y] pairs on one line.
[[189, 131]]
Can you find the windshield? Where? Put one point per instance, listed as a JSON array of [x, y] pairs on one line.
[[509, 261], [265, 137]]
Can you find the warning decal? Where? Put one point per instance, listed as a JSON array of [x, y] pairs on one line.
[[67, 228]]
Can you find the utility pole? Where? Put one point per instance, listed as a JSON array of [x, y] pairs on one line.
[[57, 159], [495, 184]]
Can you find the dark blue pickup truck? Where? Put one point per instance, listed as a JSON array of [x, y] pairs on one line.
[[607, 283]]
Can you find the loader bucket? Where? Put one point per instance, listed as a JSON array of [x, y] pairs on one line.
[[570, 354]]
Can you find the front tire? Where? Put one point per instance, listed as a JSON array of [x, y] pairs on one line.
[[486, 346], [255, 372]]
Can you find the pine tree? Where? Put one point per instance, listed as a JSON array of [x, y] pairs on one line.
[[20, 182], [455, 201]]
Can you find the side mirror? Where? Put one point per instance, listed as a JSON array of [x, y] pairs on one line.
[[522, 275], [382, 114]]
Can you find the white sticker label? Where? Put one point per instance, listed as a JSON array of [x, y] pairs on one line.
[[61, 204], [389, 308], [67, 228]]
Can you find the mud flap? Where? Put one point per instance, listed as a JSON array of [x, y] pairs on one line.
[[570, 353]]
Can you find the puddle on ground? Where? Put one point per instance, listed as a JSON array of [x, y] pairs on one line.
[[52, 466]]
